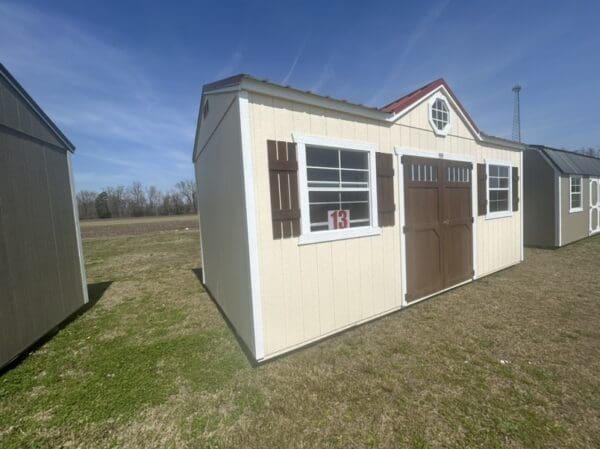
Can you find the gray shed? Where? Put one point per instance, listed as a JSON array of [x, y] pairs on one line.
[[562, 194], [42, 275]]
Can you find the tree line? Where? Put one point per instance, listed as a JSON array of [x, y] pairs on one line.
[[137, 201]]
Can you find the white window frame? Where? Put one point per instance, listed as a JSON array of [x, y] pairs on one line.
[[500, 214], [306, 235], [446, 129], [571, 208]]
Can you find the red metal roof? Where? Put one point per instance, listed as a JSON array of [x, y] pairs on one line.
[[402, 103]]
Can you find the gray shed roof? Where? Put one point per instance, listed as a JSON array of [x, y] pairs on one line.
[[570, 163], [35, 107]]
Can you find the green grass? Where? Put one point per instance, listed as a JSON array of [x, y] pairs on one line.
[[153, 364]]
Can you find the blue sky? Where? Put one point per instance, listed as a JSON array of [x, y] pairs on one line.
[[123, 79]]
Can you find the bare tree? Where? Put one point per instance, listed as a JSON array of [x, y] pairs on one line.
[[590, 151], [187, 190], [86, 204], [137, 199], [117, 201], [154, 198]]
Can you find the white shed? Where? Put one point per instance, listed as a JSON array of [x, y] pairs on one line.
[[317, 214]]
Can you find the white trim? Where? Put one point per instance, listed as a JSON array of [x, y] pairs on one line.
[[306, 235], [440, 96], [571, 208], [255, 297], [330, 236], [559, 182], [500, 214], [86, 299], [405, 151], [594, 207], [521, 205]]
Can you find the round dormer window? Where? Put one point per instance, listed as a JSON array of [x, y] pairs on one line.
[[439, 114]]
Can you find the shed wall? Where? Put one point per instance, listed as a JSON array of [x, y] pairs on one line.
[[540, 199], [574, 225], [39, 255], [311, 291], [222, 211]]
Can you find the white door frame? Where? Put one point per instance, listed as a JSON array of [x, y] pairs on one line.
[[595, 208], [406, 151]]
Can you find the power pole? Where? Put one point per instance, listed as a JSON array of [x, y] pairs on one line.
[[516, 131]]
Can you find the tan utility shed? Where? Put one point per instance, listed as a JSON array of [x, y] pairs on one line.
[[563, 189], [317, 214], [42, 278]]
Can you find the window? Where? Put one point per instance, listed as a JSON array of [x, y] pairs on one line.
[[576, 194], [499, 185], [338, 188], [423, 173], [458, 174], [337, 183], [439, 114]]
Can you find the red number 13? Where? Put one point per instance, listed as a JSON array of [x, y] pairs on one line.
[[340, 219]]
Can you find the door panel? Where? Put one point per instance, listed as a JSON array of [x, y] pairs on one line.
[[457, 221], [438, 224]]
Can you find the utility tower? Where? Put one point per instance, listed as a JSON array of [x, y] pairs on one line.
[[516, 132]]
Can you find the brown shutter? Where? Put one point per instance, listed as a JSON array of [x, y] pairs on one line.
[[385, 189], [283, 179], [481, 189], [515, 189]]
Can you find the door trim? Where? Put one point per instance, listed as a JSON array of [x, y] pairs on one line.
[[407, 151], [595, 207]]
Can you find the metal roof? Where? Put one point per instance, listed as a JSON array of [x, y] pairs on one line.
[[569, 162], [36, 108]]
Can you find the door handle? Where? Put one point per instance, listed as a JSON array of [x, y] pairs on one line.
[[446, 222]]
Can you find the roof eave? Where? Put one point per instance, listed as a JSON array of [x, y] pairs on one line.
[[36, 108]]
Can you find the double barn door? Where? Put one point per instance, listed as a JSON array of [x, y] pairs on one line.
[[594, 205], [438, 224]]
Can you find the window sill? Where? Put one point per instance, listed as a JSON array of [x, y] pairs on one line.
[[330, 236], [494, 215], [578, 209]]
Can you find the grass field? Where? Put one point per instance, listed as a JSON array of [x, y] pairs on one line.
[[509, 361]]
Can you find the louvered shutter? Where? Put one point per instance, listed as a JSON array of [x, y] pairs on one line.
[[515, 189], [481, 189], [283, 180], [386, 207]]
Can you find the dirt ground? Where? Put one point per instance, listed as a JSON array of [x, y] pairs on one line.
[[136, 226]]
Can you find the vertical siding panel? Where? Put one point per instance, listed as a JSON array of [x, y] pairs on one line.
[[310, 292], [326, 287]]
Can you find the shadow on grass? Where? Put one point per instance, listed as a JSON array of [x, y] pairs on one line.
[[245, 349], [95, 293]]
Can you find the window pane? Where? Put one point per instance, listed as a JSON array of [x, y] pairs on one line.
[[503, 182], [494, 182], [355, 176], [493, 170], [322, 157], [315, 175], [503, 170], [355, 196], [318, 213], [323, 197], [358, 211], [354, 159]]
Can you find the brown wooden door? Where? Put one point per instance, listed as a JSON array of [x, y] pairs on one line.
[[438, 224]]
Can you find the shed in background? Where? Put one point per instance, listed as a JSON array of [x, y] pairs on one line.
[[42, 274], [562, 189]]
